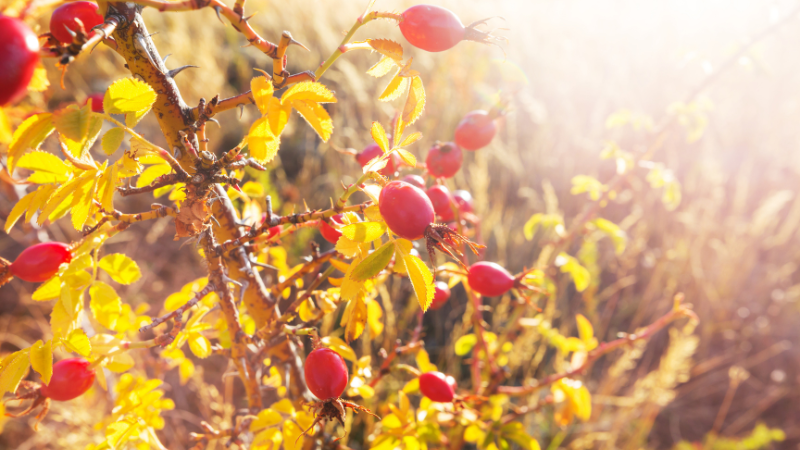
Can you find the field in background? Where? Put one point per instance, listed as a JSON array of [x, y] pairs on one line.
[[731, 246]]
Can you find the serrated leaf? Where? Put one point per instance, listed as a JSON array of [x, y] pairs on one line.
[[128, 95], [120, 268], [357, 320], [18, 210], [382, 67], [73, 121], [261, 141], [262, 90], [77, 342], [396, 87], [379, 136], [348, 247], [112, 140], [374, 263], [80, 148], [82, 202], [48, 291], [278, 115], [60, 200], [12, 369], [340, 347], [30, 134], [421, 279], [316, 116], [410, 139], [43, 194], [407, 157], [105, 304], [351, 288], [46, 164], [41, 357], [387, 48], [308, 91], [415, 103], [106, 187], [133, 118], [364, 231], [66, 313]]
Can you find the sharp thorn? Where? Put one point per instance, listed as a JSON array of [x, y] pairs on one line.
[[164, 60], [217, 9], [293, 42], [153, 34], [266, 266], [143, 49], [214, 120], [178, 70], [241, 110], [71, 33], [245, 19]]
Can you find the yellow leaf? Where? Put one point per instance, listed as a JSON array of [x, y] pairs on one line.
[[420, 276], [412, 386], [120, 362], [340, 347], [128, 95], [379, 136], [284, 406], [5, 137], [407, 157], [106, 187], [12, 369], [266, 418], [415, 103], [387, 48], [348, 247], [133, 118], [49, 167], [278, 115], [82, 202], [269, 439], [18, 210], [253, 189], [262, 142], [73, 121], [364, 231], [41, 356], [120, 268], [585, 329], [397, 85], [308, 91], [316, 116], [60, 200], [292, 436], [580, 275], [357, 320], [410, 139], [80, 148], [77, 342], [307, 311], [112, 140], [48, 291], [351, 288], [66, 313], [199, 345], [374, 318], [374, 263], [105, 304], [151, 173], [262, 90], [382, 67], [30, 134], [424, 362], [43, 194]]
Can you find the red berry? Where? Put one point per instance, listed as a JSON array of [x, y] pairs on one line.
[[444, 160], [406, 209], [415, 180], [97, 102], [441, 295], [441, 201], [437, 386], [64, 17], [71, 378], [463, 200], [41, 261], [476, 130], [326, 373], [330, 233], [431, 28], [373, 151], [19, 54], [489, 279]]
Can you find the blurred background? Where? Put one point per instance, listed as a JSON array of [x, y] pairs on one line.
[[731, 245]]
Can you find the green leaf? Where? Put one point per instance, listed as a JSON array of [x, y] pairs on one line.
[[30, 134], [77, 342], [12, 369], [374, 263], [41, 356], [128, 95], [465, 344], [120, 268], [112, 140], [364, 231]]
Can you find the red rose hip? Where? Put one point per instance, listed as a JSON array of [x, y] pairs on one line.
[[415, 180], [441, 200], [437, 386], [97, 102], [326, 373], [19, 54], [373, 151], [71, 378], [489, 279], [431, 28], [41, 261], [463, 200], [330, 233], [441, 295], [444, 160], [476, 130], [65, 17], [406, 209]]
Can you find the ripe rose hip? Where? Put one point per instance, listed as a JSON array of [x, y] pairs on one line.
[[444, 160], [41, 261], [476, 130], [441, 295], [373, 151], [437, 386], [71, 378], [441, 201], [489, 279], [326, 373], [463, 200], [406, 209], [415, 180], [330, 233], [64, 17], [19, 54], [431, 28], [97, 102]]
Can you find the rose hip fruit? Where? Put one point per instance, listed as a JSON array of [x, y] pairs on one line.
[[330, 233], [97, 102], [64, 17], [444, 160], [489, 279], [406, 209], [437, 386], [463, 200], [41, 261], [71, 378], [441, 295], [415, 180], [326, 373], [441, 201], [476, 130], [431, 28], [373, 151], [19, 54]]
